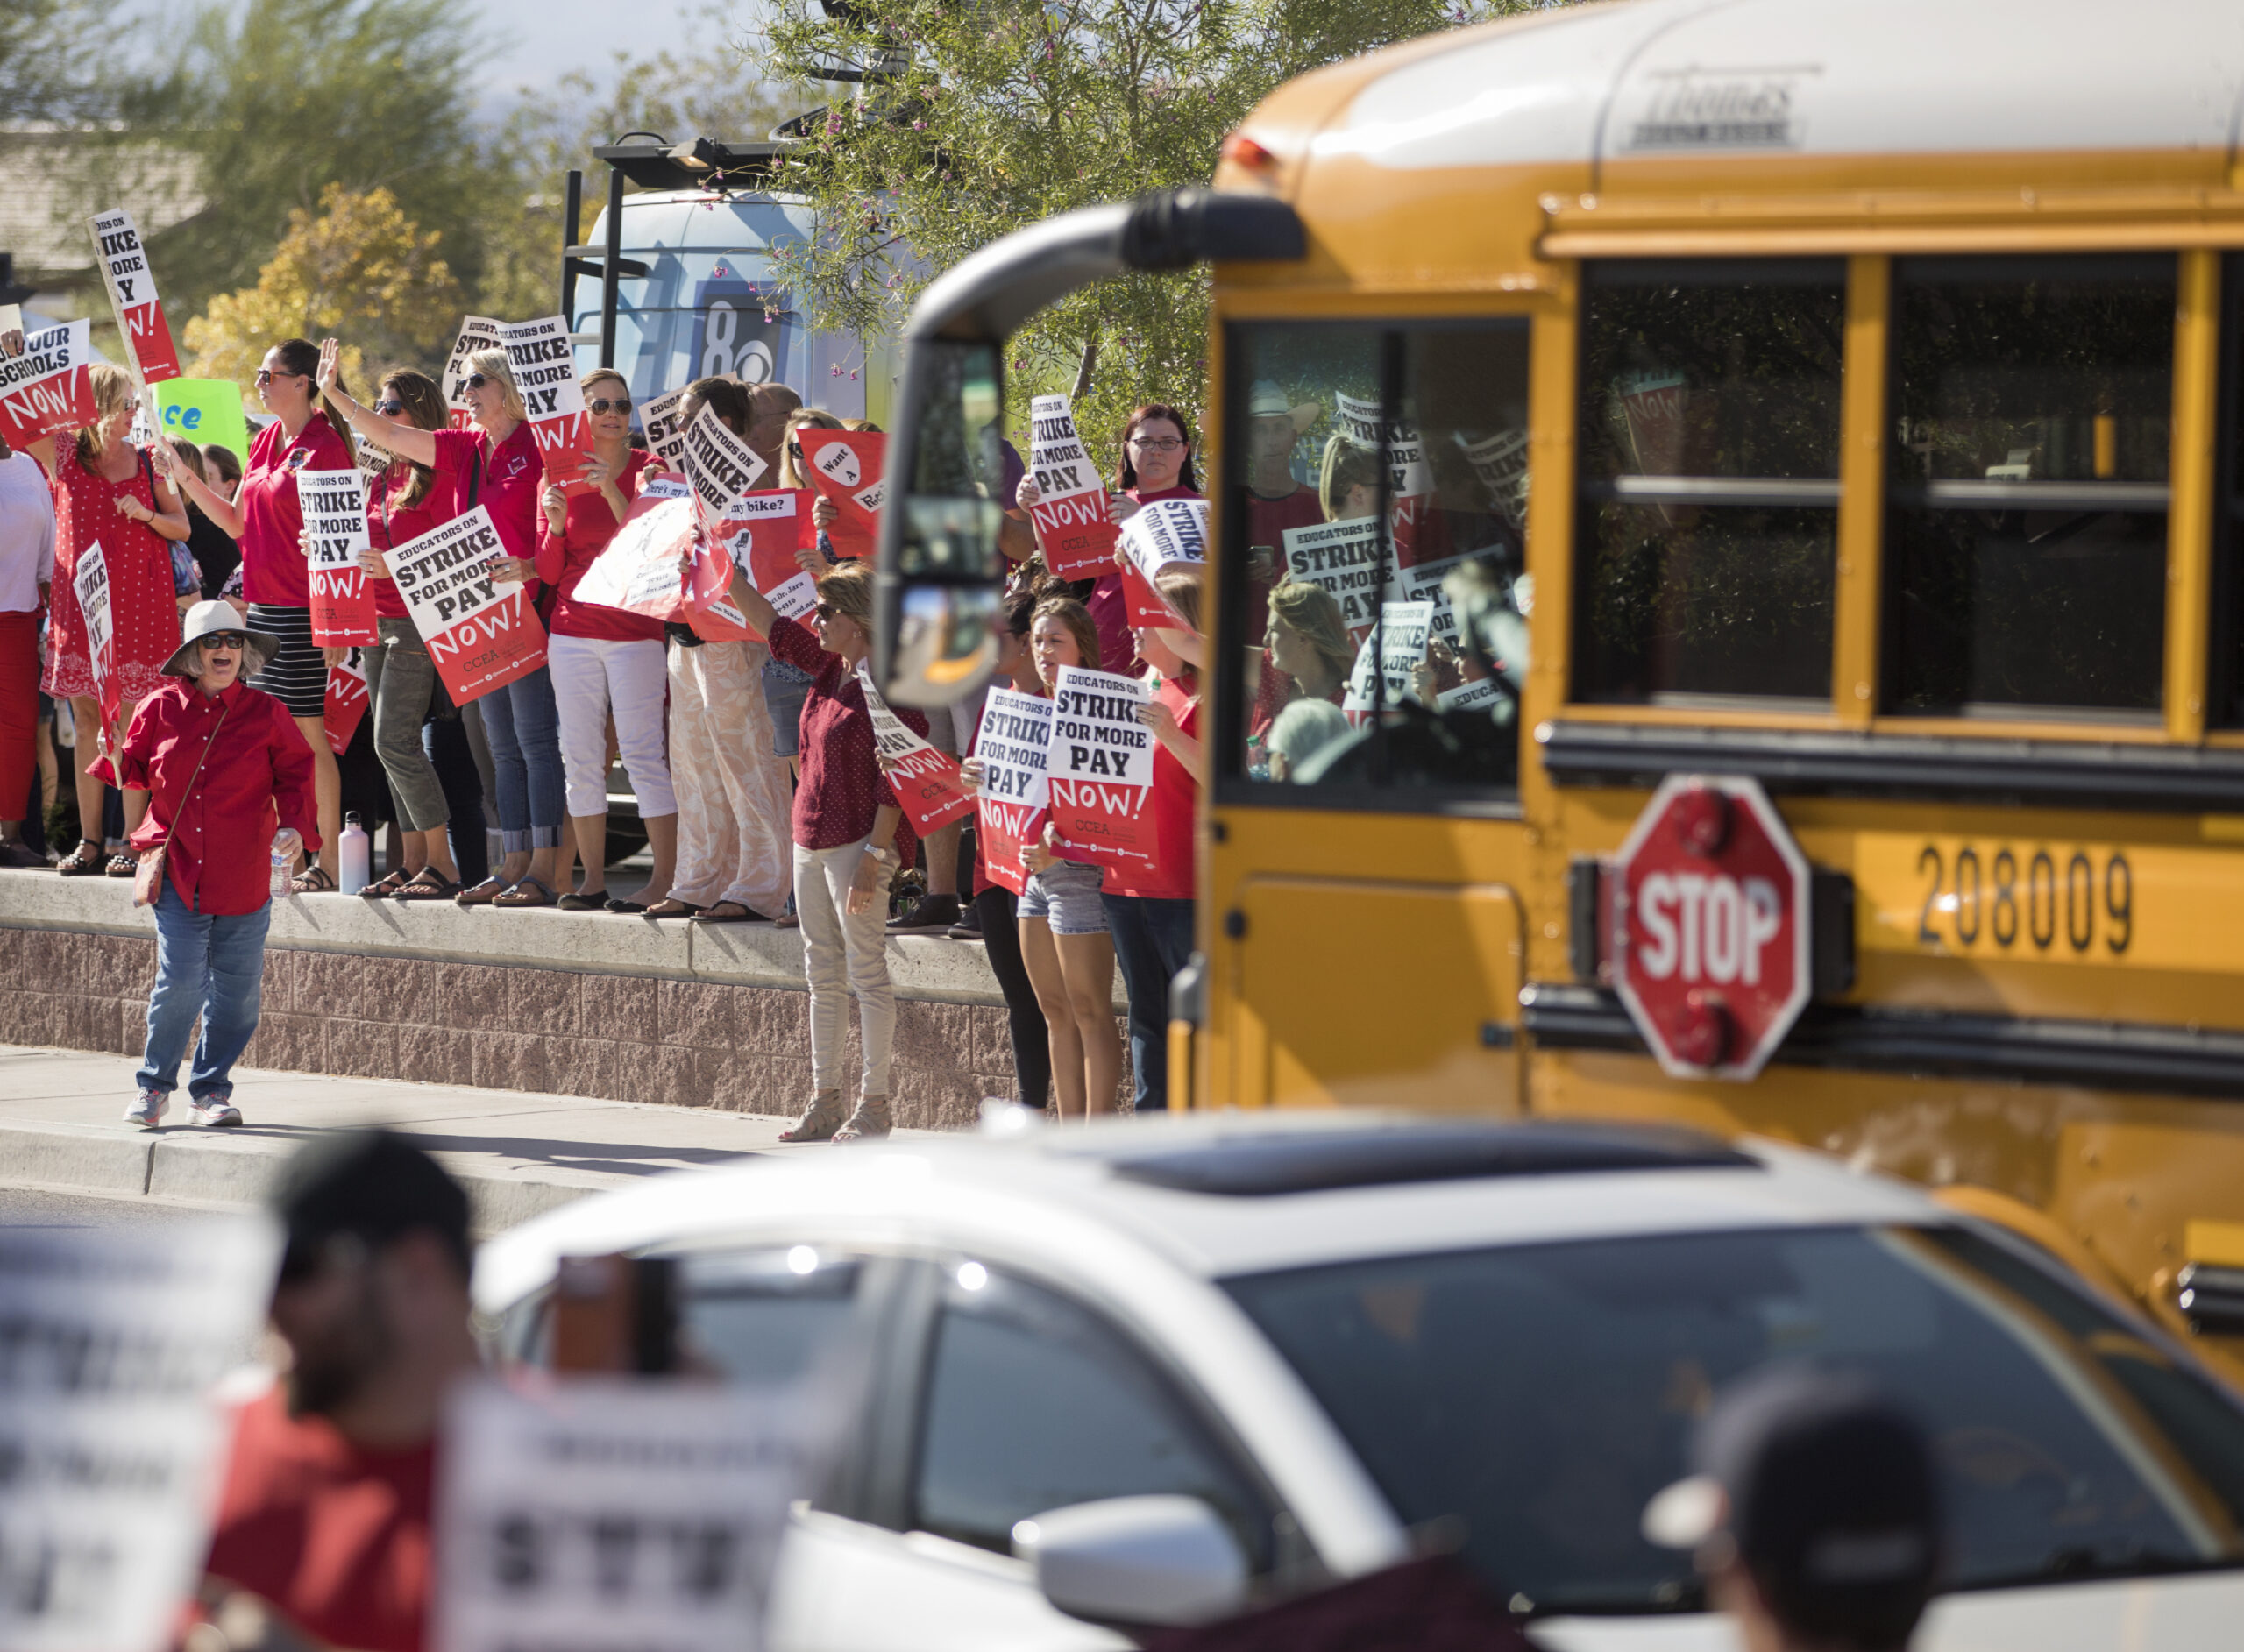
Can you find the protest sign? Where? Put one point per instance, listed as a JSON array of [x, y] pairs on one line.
[[1169, 532], [658, 423], [148, 348], [604, 1513], [1101, 769], [334, 503], [347, 699], [925, 781], [1344, 557], [720, 465], [481, 632], [642, 570], [1075, 529], [545, 377], [204, 410], [1012, 744], [845, 466], [1408, 472], [46, 389], [374, 459], [476, 332], [1400, 642], [89, 584], [1484, 694], [1501, 463], [112, 1442], [1424, 583]]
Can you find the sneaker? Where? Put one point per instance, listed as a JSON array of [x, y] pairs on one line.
[[933, 911], [217, 1114], [148, 1111], [968, 926]]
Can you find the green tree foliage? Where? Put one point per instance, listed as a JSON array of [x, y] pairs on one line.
[[51, 65], [990, 115]]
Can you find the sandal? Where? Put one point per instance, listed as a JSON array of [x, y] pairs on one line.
[[573, 901], [484, 893], [123, 865], [426, 884], [514, 896], [672, 908], [382, 888], [85, 861], [717, 914], [820, 1120], [870, 1123], [313, 880]]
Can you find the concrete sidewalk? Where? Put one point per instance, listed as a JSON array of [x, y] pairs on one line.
[[61, 1127]]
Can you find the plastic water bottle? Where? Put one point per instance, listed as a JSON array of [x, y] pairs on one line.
[[281, 887], [357, 853]]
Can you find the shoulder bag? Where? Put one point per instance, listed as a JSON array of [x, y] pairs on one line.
[[148, 877]]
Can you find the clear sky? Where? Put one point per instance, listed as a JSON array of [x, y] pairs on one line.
[[541, 40]]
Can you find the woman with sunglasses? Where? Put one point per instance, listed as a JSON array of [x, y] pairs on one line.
[[265, 520], [224, 776], [605, 660], [494, 464]]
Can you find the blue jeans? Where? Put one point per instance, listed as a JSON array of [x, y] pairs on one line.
[[1153, 940], [210, 967], [524, 730]]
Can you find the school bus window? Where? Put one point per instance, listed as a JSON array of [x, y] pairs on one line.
[[2226, 700], [1706, 527], [1378, 487], [2031, 401]]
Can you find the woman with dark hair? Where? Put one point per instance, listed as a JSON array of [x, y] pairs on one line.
[[110, 493], [494, 464], [266, 520], [402, 505], [216, 556]]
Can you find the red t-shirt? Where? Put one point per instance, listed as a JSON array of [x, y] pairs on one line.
[[272, 522], [507, 484], [589, 526], [841, 786], [390, 524], [335, 1537], [1175, 796]]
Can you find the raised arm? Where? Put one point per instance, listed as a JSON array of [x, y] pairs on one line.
[[409, 442]]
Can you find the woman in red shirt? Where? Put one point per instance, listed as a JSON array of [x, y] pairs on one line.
[[265, 517], [225, 778], [605, 660], [495, 465], [108, 492]]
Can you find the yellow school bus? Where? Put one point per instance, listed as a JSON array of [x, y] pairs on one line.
[[1840, 398]]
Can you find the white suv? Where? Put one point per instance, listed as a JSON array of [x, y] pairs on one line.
[[1155, 1371]]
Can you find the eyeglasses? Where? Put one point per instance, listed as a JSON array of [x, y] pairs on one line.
[[604, 404], [234, 640], [1165, 445], [476, 381], [266, 375], [823, 611], [388, 406]]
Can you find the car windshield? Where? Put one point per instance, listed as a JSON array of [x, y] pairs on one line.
[[1537, 1397]]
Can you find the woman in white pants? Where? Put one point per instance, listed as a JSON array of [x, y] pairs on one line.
[[732, 786], [604, 659]]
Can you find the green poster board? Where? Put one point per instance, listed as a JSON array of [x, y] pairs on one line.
[[204, 410]]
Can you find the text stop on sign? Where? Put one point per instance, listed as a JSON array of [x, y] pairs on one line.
[[1709, 948]]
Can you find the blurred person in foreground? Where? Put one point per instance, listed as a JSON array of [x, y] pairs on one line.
[[1814, 1515], [324, 1522]]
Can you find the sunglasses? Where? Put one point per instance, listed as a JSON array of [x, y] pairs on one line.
[[234, 640], [389, 406], [266, 375], [603, 404], [823, 611], [476, 381]]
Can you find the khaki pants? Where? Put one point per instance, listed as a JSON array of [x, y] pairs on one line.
[[843, 955], [733, 794]]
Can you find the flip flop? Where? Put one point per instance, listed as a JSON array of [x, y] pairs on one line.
[[484, 893], [716, 914], [515, 897], [427, 885], [672, 909]]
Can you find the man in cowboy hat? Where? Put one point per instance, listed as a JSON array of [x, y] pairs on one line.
[[228, 779]]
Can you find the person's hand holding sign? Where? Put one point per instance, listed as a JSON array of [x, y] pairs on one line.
[[824, 513], [373, 563], [812, 561], [556, 500], [601, 475], [969, 776], [1028, 495], [520, 569]]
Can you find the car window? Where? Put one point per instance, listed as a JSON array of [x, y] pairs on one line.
[[1034, 1403], [1541, 1395], [763, 1316]]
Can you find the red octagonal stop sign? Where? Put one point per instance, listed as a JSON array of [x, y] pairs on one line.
[[1710, 918]]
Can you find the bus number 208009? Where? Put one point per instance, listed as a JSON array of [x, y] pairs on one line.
[[2015, 900]]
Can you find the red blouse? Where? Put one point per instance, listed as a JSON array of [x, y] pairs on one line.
[[272, 522], [1175, 795], [841, 786], [506, 482], [257, 779], [562, 558]]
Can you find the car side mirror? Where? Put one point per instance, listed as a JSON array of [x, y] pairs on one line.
[[1156, 1562]]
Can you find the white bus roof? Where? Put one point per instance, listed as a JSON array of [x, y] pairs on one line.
[[1723, 79]]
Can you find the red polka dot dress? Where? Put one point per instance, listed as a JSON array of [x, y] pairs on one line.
[[143, 612]]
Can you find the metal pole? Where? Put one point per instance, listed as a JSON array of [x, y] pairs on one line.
[[573, 213], [608, 273]]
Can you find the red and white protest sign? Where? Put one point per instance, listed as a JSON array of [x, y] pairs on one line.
[[1344, 557], [148, 346], [545, 376], [845, 466], [642, 570], [1101, 769], [1075, 529], [46, 389], [1013, 746], [925, 781], [1170, 533], [346, 701], [89, 582], [481, 632], [335, 533], [476, 332], [1710, 942], [658, 423]]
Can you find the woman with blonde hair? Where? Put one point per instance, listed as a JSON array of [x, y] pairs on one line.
[[494, 464], [1306, 640], [109, 493]]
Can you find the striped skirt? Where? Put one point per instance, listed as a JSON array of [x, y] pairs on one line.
[[297, 675]]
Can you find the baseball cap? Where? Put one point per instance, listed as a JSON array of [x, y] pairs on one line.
[[373, 1185], [1826, 1488]]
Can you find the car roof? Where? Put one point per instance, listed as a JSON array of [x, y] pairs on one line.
[[1222, 1194]]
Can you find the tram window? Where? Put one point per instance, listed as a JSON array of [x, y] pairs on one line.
[[2031, 404], [1706, 527], [1376, 590]]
